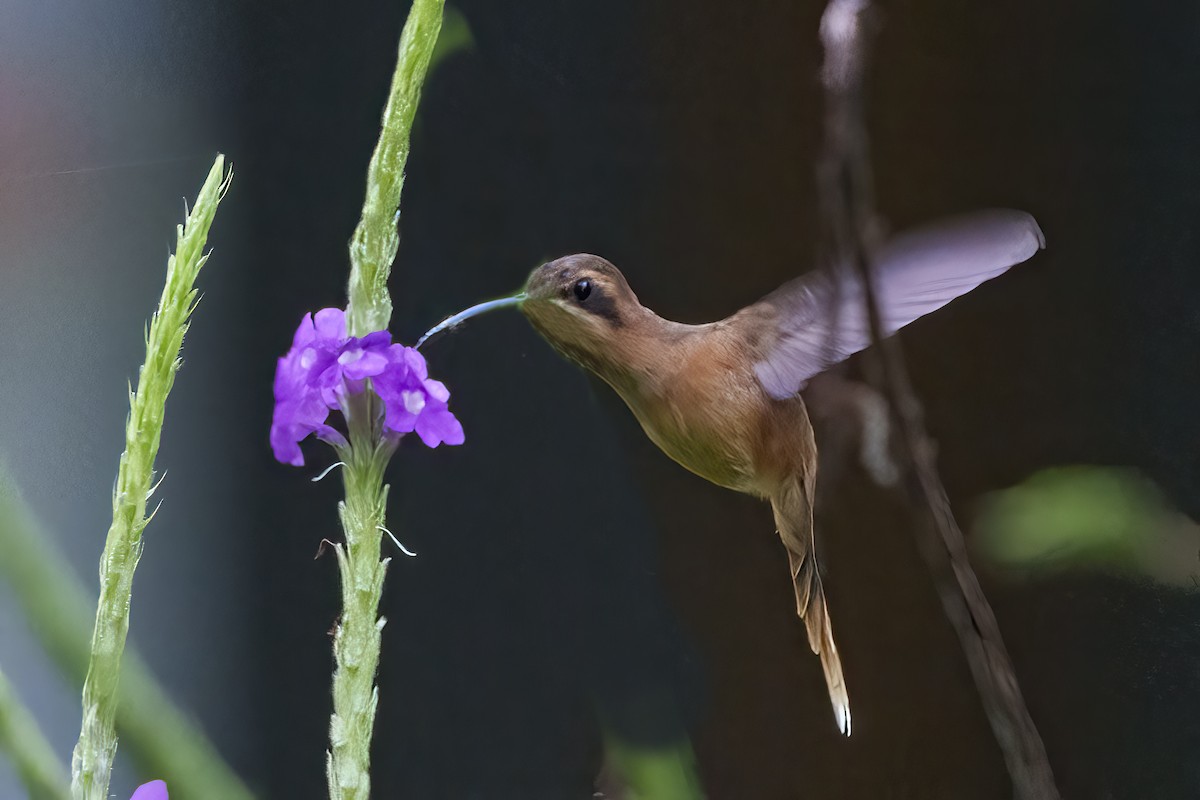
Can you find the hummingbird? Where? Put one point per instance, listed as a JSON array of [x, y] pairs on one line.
[[723, 398]]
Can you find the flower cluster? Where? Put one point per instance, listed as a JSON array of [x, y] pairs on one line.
[[326, 368]]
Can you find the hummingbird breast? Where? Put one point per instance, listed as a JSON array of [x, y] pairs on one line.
[[704, 407]]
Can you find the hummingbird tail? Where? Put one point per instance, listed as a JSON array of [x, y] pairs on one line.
[[794, 518]]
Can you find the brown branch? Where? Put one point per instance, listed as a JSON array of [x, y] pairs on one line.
[[852, 230]]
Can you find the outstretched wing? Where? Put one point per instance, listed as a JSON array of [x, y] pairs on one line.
[[822, 316]]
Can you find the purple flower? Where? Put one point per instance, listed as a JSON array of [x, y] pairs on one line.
[[414, 402], [325, 367], [154, 790]]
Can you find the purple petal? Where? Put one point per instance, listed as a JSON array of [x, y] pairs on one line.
[[358, 362], [436, 390], [330, 324], [154, 790], [286, 445], [332, 395], [294, 418], [413, 401], [305, 334], [331, 436], [306, 408], [403, 402], [286, 438], [437, 425], [405, 361], [312, 361], [416, 362], [326, 372], [288, 377], [392, 385], [379, 340], [397, 419]]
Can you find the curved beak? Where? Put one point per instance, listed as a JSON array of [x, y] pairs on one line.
[[473, 311]]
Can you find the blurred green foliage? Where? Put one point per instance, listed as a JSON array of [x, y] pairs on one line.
[[163, 740], [1092, 517], [653, 773], [455, 37], [41, 771]]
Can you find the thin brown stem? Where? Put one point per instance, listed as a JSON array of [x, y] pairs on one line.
[[848, 207]]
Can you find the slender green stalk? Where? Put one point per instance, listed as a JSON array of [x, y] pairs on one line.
[[44, 776], [163, 741], [376, 239], [92, 759], [357, 635]]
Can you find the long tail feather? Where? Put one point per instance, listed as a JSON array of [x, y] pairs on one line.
[[793, 517]]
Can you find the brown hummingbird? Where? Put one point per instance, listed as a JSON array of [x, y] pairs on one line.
[[722, 398]]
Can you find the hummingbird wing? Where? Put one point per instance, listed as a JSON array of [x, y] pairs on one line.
[[822, 316], [793, 507]]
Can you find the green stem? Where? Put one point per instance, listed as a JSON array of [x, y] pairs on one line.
[[92, 759], [44, 776], [164, 742], [376, 238], [357, 635]]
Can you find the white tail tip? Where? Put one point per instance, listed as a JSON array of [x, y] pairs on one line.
[[841, 711]]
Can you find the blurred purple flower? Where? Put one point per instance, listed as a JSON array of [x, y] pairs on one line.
[[325, 367], [154, 790]]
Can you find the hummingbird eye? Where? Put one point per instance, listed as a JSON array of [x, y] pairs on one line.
[[582, 289]]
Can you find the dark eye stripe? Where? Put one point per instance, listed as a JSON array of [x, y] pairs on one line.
[[601, 304]]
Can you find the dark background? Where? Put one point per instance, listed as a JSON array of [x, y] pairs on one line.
[[569, 575]]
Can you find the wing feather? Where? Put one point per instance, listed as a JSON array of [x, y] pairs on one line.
[[822, 316]]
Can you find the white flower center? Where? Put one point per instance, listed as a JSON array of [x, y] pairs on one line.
[[308, 358], [413, 401], [349, 356]]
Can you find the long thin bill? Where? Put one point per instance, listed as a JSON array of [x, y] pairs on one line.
[[473, 311]]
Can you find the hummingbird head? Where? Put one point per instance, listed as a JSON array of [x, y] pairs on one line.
[[583, 307], [580, 304]]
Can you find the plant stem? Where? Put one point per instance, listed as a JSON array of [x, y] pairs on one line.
[[357, 635], [376, 238], [38, 767], [849, 210], [92, 759], [163, 741]]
